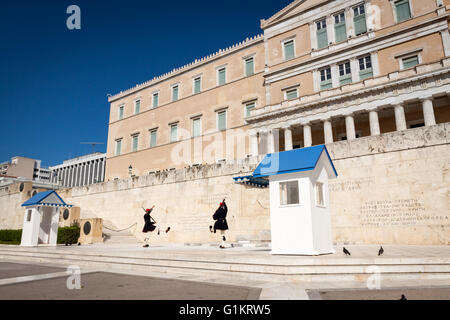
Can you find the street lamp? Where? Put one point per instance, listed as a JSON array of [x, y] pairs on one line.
[[130, 170]]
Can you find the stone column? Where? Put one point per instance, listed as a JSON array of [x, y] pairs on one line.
[[307, 136], [328, 131], [254, 143], [270, 142], [102, 176], [445, 35], [350, 127], [428, 111], [400, 120], [100, 170], [374, 123], [72, 173], [288, 145]]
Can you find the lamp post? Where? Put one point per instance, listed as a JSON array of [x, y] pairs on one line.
[[130, 170]]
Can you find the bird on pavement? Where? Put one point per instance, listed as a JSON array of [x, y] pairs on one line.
[[381, 251], [346, 251], [403, 297]]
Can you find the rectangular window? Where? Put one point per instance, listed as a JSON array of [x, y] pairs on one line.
[[221, 76], [173, 133], [155, 100], [222, 120], [402, 10], [29, 215], [291, 94], [410, 62], [339, 27], [249, 107], [365, 68], [345, 73], [137, 106], [196, 127], [135, 143], [359, 19], [197, 85], [322, 37], [249, 67], [175, 93], [289, 193], [121, 108], [153, 136], [320, 199], [289, 52], [325, 79], [118, 147]]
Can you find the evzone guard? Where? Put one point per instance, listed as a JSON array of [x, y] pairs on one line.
[[150, 225], [221, 222]]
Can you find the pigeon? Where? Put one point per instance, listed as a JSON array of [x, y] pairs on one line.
[[403, 297], [346, 252], [381, 251]]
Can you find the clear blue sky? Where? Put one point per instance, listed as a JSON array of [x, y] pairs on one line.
[[54, 81]]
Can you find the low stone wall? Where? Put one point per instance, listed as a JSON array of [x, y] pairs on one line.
[[392, 189]]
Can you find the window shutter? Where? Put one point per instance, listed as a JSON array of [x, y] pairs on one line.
[[249, 108], [155, 100], [341, 32], [120, 113], [135, 143], [175, 93], [410, 62], [197, 83], [322, 38], [222, 76], [402, 9], [196, 127], [173, 133], [137, 106], [222, 120], [291, 94], [289, 50], [118, 147], [153, 139], [360, 24], [249, 70], [366, 73]]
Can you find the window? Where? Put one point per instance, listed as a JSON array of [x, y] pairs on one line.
[[339, 27], [175, 92], [320, 199], [249, 107], [137, 106], [289, 52], [221, 76], [249, 67], [121, 108], [173, 132], [345, 73], [365, 67], [289, 193], [222, 120], [153, 136], [402, 10], [155, 99], [291, 94], [29, 215], [135, 143], [118, 147], [322, 38], [410, 62], [196, 127], [197, 85], [325, 79], [359, 19]]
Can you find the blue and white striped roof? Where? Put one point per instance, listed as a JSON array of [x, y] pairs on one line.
[[47, 198]]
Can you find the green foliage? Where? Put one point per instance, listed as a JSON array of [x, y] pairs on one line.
[[10, 236], [68, 235]]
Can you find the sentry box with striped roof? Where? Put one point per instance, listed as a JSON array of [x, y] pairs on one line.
[[40, 224], [299, 199]]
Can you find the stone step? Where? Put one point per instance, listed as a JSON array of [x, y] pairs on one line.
[[339, 269]]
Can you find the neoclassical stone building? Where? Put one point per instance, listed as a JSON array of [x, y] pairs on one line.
[[323, 71]]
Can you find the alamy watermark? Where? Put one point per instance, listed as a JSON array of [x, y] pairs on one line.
[[74, 280], [74, 20]]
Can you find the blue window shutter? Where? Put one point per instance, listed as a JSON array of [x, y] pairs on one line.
[[222, 120], [322, 38], [153, 139], [155, 100], [173, 133], [222, 76], [197, 85], [249, 67], [175, 93], [289, 50], [341, 32], [403, 10], [410, 62]]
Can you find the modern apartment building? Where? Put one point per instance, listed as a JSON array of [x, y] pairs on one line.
[[323, 71], [25, 168], [80, 171]]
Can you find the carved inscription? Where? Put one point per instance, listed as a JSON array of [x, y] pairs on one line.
[[402, 212], [351, 184]]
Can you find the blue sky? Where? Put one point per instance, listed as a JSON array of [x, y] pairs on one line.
[[54, 81]]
